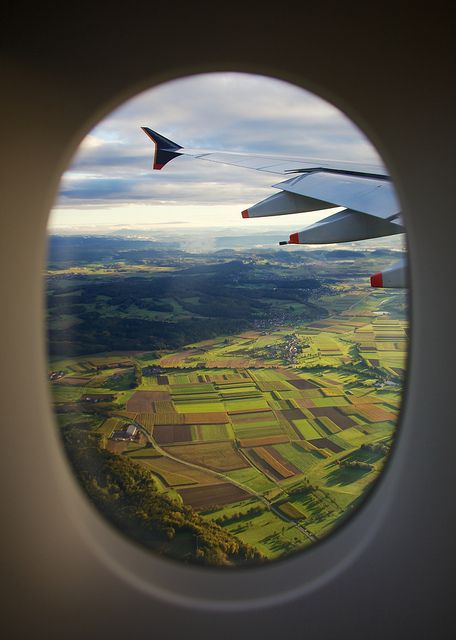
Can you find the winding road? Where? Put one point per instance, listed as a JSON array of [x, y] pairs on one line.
[[222, 477]]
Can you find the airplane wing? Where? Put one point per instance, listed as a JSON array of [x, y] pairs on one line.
[[365, 192]]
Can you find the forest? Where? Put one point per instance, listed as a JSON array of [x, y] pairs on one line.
[[127, 495]]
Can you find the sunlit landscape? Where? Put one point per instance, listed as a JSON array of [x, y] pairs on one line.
[[223, 408]]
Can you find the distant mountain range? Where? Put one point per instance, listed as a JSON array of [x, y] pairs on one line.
[[93, 248]]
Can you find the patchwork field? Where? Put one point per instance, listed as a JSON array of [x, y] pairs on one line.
[[271, 433], [213, 495], [175, 474], [219, 456]]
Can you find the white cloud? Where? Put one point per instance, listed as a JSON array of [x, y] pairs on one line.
[[111, 174]]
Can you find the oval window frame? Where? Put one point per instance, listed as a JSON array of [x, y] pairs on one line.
[[208, 588]]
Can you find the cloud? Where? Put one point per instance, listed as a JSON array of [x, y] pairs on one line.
[[228, 111]]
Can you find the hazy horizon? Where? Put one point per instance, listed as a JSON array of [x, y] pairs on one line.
[[214, 239]]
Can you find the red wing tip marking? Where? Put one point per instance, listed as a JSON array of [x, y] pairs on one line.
[[377, 280], [158, 166], [245, 213], [294, 238]]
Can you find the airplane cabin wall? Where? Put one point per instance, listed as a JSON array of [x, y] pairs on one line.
[[393, 73]]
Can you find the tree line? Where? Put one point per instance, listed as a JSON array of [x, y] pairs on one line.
[[127, 496]]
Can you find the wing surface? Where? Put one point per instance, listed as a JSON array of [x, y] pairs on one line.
[[364, 192], [273, 163], [374, 196], [279, 164]]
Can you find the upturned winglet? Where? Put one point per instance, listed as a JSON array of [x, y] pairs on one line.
[[165, 150]]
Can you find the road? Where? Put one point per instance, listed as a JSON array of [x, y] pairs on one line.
[[222, 477]]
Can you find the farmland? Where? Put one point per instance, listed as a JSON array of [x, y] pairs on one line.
[[272, 431]]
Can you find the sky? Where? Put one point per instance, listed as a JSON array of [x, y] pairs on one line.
[[110, 183]]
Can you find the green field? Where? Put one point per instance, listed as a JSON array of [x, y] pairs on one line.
[[302, 459], [272, 432], [252, 478]]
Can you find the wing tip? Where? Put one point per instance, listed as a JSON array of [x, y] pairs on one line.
[[149, 133], [165, 149], [377, 279], [294, 238]]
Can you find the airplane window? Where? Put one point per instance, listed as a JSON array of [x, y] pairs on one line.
[[227, 318]]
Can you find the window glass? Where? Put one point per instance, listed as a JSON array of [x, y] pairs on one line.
[[223, 399]]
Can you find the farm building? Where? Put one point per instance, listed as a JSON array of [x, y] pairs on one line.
[[128, 432]]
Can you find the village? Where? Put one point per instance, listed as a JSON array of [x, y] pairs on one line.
[[288, 349]]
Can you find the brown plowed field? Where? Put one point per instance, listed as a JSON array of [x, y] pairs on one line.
[[146, 419], [261, 442], [131, 415], [169, 433], [292, 414], [268, 470], [141, 401], [175, 473], [305, 403], [163, 406], [216, 494], [169, 417], [342, 421], [375, 414], [303, 384], [219, 456], [221, 363], [324, 443]]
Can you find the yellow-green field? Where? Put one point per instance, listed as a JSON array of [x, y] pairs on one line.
[[271, 433]]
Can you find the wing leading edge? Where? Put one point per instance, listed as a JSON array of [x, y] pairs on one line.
[[365, 192]]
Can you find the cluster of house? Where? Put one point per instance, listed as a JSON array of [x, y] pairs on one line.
[[98, 397], [288, 349], [55, 375]]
